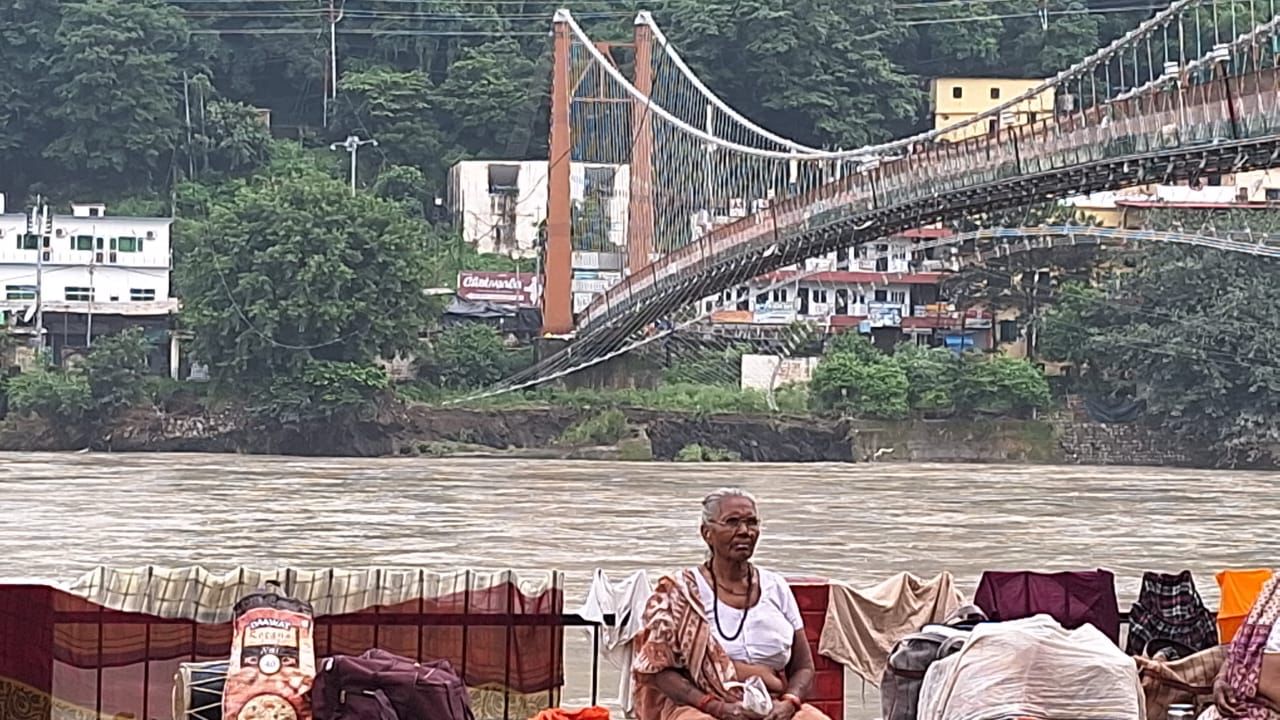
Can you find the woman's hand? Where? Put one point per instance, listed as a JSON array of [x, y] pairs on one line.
[[782, 710], [735, 711], [1228, 702]]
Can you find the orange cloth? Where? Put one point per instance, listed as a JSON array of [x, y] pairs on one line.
[[595, 712], [1240, 589]]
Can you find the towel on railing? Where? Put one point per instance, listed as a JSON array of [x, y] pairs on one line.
[[1169, 608], [863, 625], [1071, 598], [625, 600]]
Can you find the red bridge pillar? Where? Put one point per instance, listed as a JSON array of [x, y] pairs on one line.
[[557, 298], [640, 204]]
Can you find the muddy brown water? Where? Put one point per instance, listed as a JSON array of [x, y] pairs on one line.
[[67, 513]]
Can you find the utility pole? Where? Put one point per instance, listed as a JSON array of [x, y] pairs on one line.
[[352, 145], [88, 323], [38, 225], [334, 15]]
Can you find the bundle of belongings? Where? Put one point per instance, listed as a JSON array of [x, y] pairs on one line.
[[1034, 668]]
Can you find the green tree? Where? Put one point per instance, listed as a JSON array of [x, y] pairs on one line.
[[855, 344], [484, 100], [60, 398], [1190, 332], [1068, 328], [818, 72], [405, 185], [1001, 385], [288, 268], [229, 138], [115, 368], [114, 103], [27, 52], [468, 356], [392, 107], [876, 389], [932, 376], [323, 390]]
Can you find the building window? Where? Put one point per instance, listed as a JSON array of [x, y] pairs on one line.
[[1008, 331], [130, 244], [882, 296], [79, 294], [820, 296], [898, 297], [82, 242], [1273, 194], [19, 292], [28, 242], [995, 93], [780, 295], [957, 92], [1031, 118], [149, 294]]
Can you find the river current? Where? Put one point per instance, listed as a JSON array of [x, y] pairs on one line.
[[66, 513]]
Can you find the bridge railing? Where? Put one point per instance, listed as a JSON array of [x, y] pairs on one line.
[[1149, 123]]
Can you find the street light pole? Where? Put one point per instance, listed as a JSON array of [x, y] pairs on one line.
[[352, 145]]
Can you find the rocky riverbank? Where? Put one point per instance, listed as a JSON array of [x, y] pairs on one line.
[[410, 430]]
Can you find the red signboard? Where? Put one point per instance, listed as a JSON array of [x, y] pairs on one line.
[[498, 287]]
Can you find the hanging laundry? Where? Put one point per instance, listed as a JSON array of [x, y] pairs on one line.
[[625, 600], [1071, 598], [862, 625], [1169, 608], [1240, 589], [512, 670]]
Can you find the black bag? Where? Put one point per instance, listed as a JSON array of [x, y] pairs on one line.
[[908, 661], [379, 685]]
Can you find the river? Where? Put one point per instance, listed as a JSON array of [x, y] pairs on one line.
[[65, 514]]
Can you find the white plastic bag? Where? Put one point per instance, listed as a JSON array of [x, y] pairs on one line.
[[755, 696], [1033, 668]]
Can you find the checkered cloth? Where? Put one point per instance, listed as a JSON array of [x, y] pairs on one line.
[[1169, 608]]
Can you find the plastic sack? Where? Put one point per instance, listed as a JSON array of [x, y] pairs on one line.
[[755, 696], [1033, 668]]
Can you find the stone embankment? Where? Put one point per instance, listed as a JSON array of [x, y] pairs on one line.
[[398, 429]]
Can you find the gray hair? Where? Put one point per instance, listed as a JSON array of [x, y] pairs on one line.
[[711, 503]]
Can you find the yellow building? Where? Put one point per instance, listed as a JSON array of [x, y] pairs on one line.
[[954, 100]]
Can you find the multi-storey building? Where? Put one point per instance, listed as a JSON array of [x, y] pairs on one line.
[[86, 274]]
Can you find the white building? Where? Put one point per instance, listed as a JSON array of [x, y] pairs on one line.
[[95, 273], [87, 257], [499, 205]]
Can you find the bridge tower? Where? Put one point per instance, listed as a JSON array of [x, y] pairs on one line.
[[640, 198], [557, 292]]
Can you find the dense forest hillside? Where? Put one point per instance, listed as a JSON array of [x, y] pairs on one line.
[[118, 99]]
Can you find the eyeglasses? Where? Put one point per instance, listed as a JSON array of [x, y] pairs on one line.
[[750, 523]]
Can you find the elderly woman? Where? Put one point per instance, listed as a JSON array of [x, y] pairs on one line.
[[712, 627], [1248, 686]]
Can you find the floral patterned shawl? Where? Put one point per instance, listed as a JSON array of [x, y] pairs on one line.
[[677, 636], [1244, 661]]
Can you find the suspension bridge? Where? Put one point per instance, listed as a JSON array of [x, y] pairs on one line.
[[714, 200]]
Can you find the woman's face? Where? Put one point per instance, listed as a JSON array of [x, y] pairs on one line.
[[733, 532]]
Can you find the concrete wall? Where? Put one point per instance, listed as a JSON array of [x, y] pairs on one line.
[[766, 372]]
